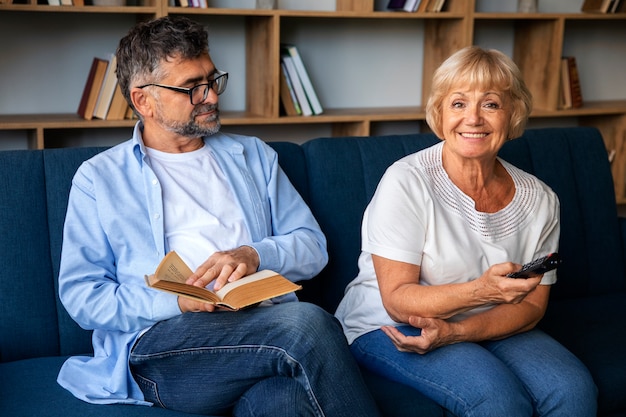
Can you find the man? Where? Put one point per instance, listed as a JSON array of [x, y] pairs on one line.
[[222, 202]]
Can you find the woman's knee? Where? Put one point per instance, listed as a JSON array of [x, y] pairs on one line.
[[575, 396]]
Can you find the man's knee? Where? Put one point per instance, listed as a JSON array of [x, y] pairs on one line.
[[276, 396]]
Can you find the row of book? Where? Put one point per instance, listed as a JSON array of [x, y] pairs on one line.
[[570, 96], [604, 6], [102, 97], [418, 6], [297, 94], [92, 3], [189, 3]]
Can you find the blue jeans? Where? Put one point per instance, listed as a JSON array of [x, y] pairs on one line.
[[529, 374], [289, 359]]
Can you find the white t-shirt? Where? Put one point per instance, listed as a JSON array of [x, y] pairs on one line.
[[201, 213], [419, 216]]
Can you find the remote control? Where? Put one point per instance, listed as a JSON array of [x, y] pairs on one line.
[[538, 266]]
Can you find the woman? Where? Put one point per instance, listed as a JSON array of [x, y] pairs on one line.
[[432, 306]]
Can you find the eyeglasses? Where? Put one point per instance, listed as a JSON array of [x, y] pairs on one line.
[[198, 93]]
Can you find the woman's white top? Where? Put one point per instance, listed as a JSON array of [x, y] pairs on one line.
[[418, 216]]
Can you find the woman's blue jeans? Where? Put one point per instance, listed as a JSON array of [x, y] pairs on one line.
[[288, 359], [529, 374]]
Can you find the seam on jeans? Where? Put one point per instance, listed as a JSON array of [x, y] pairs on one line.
[[241, 348], [149, 384]]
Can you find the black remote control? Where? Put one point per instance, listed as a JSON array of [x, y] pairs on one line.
[[538, 266]]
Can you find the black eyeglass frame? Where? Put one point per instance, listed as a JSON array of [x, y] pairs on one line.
[[189, 91]]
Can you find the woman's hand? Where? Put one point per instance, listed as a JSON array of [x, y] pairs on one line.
[[497, 288], [435, 333]]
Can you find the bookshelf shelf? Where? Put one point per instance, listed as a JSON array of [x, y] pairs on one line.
[[536, 41]]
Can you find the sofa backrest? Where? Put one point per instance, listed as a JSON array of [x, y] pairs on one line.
[[344, 172], [337, 177], [34, 186], [28, 319]]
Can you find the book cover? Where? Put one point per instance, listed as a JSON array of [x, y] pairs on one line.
[[86, 90], [316, 106], [435, 6], [117, 109], [425, 6], [411, 5], [297, 85], [396, 4], [574, 82], [596, 6], [565, 92], [287, 94], [172, 273], [106, 91], [91, 91]]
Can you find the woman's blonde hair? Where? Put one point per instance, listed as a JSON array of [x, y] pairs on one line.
[[486, 70]]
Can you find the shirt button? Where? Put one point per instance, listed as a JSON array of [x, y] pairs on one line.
[[155, 181], [157, 216]]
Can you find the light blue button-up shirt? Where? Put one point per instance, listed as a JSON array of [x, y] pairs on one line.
[[114, 235]]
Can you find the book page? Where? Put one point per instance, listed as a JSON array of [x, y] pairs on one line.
[[255, 288], [266, 273], [173, 268]]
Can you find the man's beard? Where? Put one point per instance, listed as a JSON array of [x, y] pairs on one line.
[[191, 128]]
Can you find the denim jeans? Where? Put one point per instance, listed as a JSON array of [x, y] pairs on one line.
[[529, 374], [288, 359]]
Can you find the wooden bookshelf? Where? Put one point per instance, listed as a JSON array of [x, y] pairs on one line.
[[539, 41]]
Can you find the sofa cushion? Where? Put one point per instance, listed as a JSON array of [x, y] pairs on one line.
[[29, 389], [594, 329]]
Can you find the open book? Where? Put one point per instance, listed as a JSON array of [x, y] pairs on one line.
[[172, 273]]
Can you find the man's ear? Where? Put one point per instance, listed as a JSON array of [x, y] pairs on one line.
[[141, 101]]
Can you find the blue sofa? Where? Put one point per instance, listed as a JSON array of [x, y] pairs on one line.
[[337, 177]]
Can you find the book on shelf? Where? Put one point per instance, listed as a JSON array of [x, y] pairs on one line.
[[412, 5], [618, 6], [596, 6], [435, 6], [565, 93], [287, 94], [423, 5], [574, 82], [172, 273], [54, 2], [292, 73], [396, 4], [106, 91], [119, 105], [311, 95], [93, 84]]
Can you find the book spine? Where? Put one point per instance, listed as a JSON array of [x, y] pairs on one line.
[[297, 85], [287, 94], [577, 97], [305, 80]]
